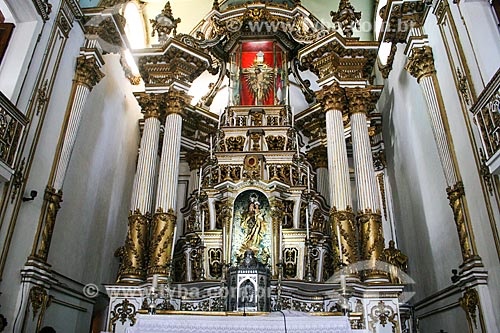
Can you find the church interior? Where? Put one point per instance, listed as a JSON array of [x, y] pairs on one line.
[[250, 166]]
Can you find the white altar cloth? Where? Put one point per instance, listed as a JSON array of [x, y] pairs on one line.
[[296, 322]]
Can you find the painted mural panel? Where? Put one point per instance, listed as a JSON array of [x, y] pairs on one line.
[[252, 226]]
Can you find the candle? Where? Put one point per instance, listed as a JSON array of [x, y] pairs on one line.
[[211, 148], [342, 281], [173, 244], [297, 143], [281, 242], [155, 281], [202, 226], [307, 222], [308, 180], [224, 241], [199, 182], [341, 255]]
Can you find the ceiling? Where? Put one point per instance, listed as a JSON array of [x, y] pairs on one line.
[[193, 11]]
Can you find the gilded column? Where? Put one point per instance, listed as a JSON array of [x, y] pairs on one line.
[[164, 219], [421, 66], [87, 75], [133, 265], [334, 102], [369, 218]]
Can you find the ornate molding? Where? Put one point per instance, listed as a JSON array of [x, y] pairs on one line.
[[346, 18], [383, 314], [134, 257], [152, 105], [470, 304], [123, 312], [174, 63], [456, 194], [346, 221], [421, 62], [52, 204], [399, 17], [88, 71], [44, 8], [318, 157], [161, 243], [164, 24], [386, 69], [332, 97], [361, 100]]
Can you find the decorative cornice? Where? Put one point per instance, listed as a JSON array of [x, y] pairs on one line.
[[421, 62], [174, 63], [332, 97], [387, 68], [399, 17], [88, 71], [336, 58], [107, 29]]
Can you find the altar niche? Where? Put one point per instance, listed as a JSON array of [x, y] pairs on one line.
[[252, 227]]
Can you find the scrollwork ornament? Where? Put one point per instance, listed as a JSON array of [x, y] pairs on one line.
[[161, 244], [456, 195], [470, 303], [123, 312], [346, 221], [134, 254], [384, 315], [53, 199]]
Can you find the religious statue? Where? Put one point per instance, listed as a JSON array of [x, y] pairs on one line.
[[254, 223], [259, 78], [396, 258]]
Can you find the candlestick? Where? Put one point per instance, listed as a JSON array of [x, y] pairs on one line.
[[307, 222], [202, 226], [297, 143], [211, 148], [341, 255], [280, 255], [173, 244], [155, 281], [199, 182], [224, 241], [308, 180]]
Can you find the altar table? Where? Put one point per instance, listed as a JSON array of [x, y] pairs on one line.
[[296, 322]]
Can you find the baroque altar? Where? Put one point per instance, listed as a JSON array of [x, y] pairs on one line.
[[269, 222]]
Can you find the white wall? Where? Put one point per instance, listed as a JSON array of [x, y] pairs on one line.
[[92, 222]]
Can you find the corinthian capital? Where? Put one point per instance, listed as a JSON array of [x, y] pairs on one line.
[[333, 97], [176, 101], [88, 71], [151, 104], [421, 62], [360, 100]]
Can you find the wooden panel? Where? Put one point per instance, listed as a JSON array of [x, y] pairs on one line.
[[5, 33]]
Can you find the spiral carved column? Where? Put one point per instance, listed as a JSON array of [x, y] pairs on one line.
[[334, 102], [421, 66], [164, 219], [133, 267], [87, 75], [369, 218]]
